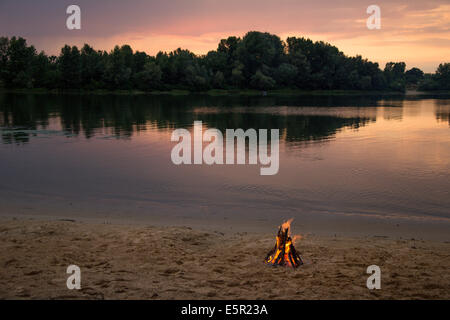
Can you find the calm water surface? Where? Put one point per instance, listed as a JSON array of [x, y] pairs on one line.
[[109, 156]]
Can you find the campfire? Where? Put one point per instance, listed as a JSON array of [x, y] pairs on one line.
[[284, 253]]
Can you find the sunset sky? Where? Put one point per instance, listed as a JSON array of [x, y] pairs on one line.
[[417, 32]]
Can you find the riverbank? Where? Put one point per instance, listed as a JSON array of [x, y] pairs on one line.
[[232, 92], [120, 261]]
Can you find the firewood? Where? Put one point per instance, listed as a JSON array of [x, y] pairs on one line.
[[284, 252]]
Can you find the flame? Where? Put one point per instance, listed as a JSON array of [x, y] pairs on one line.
[[284, 252], [287, 224], [297, 237]]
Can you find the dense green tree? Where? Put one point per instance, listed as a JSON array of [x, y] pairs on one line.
[[443, 76], [428, 83], [237, 75], [69, 67], [259, 61], [260, 52], [18, 71], [149, 78], [218, 80], [44, 71], [140, 59], [395, 75], [286, 74], [92, 68], [296, 57], [261, 81], [414, 76], [4, 44], [118, 68], [228, 58], [180, 68]]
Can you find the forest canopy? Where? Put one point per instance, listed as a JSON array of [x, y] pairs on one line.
[[260, 61]]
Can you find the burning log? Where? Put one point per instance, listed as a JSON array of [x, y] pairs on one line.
[[284, 253]]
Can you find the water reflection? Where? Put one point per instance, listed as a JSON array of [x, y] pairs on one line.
[[24, 116], [370, 156], [443, 111]]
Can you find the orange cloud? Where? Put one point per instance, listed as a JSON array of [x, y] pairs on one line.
[[417, 32]]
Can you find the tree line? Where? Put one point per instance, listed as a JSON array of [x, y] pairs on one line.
[[259, 61]]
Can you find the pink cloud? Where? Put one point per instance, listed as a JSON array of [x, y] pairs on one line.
[[413, 31]]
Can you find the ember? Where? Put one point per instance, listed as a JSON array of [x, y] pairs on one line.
[[284, 253]]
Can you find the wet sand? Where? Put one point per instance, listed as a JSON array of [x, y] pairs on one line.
[[120, 261]]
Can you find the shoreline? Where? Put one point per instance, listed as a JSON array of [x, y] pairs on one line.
[[230, 92], [321, 224], [156, 262]]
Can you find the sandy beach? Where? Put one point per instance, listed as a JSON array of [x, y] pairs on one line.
[[149, 262]]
